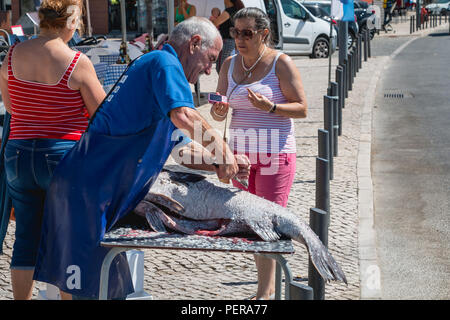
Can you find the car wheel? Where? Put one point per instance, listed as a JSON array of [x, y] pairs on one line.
[[350, 40], [321, 48], [371, 32]]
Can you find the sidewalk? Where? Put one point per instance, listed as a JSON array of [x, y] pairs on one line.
[[401, 27]]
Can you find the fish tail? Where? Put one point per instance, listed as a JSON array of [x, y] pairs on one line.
[[322, 260]]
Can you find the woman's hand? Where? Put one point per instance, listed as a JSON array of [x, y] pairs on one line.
[[219, 110], [259, 101]]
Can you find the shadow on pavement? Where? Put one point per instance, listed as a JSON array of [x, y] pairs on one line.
[[441, 34]]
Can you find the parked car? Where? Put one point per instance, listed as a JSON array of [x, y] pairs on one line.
[[438, 7], [322, 9], [296, 31]]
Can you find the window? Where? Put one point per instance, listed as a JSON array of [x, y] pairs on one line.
[[28, 6], [293, 10], [314, 10], [327, 8]]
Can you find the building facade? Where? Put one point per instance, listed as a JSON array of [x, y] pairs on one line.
[[105, 14]]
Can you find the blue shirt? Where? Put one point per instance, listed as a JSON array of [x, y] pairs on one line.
[[153, 85]]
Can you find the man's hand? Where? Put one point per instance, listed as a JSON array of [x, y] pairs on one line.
[[227, 169], [244, 166]]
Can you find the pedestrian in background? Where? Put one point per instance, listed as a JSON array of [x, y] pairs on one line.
[[50, 91], [223, 22], [183, 11], [265, 91], [215, 13]]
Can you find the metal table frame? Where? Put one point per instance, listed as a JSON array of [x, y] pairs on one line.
[[282, 264]]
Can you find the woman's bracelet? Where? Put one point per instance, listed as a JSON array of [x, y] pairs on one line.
[[274, 107], [218, 115]]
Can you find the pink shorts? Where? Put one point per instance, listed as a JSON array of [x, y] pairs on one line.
[[271, 176]]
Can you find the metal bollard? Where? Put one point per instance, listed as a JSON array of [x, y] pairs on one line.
[[360, 50], [323, 146], [337, 76], [366, 35], [356, 62], [318, 221], [322, 184], [369, 53], [413, 24], [340, 80], [328, 122], [346, 78], [337, 111], [335, 102], [350, 72], [410, 25], [298, 291]]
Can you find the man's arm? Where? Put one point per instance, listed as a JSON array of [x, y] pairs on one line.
[[190, 120], [194, 156]]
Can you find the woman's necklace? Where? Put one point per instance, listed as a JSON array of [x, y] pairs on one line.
[[248, 71]]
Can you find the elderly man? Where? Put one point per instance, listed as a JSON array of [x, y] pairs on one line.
[[112, 167]]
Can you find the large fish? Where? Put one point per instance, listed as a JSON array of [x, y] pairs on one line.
[[191, 204]]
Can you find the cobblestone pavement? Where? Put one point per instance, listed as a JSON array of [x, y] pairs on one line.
[[181, 274]]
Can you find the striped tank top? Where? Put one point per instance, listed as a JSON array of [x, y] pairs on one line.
[[46, 111], [253, 130]]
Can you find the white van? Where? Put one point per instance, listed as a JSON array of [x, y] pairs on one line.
[[296, 31]]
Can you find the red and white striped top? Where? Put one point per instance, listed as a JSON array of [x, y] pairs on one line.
[[253, 130], [46, 111]]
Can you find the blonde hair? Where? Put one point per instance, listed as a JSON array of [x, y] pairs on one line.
[[56, 14]]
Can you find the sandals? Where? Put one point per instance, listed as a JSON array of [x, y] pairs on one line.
[[253, 297]]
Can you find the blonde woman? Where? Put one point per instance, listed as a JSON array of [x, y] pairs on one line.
[[51, 92]]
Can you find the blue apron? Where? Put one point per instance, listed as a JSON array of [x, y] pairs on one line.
[[116, 174]]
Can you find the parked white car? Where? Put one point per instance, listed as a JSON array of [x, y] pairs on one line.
[[438, 7], [296, 31]]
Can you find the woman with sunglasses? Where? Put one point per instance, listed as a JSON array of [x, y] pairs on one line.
[[223, 22], [265, 91]]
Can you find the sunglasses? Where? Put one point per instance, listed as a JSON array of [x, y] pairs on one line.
[[247, 34]]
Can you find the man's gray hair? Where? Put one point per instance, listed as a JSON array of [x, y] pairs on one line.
[[184, 31]]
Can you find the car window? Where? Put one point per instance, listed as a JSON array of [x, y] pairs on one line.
[[293, 10], [327, 8], [270, 8], [314, 10], [362, 4]]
